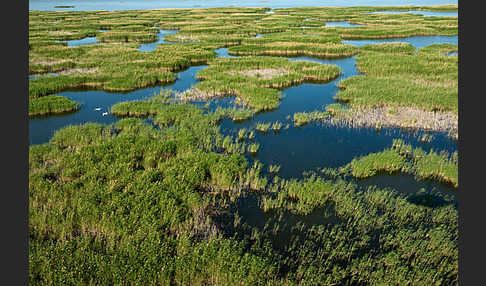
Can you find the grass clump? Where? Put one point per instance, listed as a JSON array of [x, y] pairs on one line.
[[262, 127], [273, 169], [253, 147], [51, 104], [367, 166]]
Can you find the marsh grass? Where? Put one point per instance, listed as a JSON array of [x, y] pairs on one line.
[[263, 127], [131, 204], [273, 169], [249, 79], [424, 80], [253, 147], [51, 104]]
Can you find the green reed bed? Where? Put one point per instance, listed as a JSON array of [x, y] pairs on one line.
[[212, 39], [438, 49], [156, 183], [396, 48], [425, 81], [51, 104], [130, 204], [263, 127], [395, 31], [331, 110], [255, 80], [296, 35], [118, 67], [327, 50]]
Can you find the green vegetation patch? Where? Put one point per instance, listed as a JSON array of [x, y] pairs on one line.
[[398, 48], [51, 104], [426, 80], [302, 42], [255, 80]]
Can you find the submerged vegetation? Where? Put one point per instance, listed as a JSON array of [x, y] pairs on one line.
[[170, 200]]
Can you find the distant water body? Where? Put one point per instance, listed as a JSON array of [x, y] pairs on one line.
[[112, 5]]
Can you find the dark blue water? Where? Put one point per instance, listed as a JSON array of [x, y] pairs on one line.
[[407, 185], [111, 5], [417, 41], [343, 24], [148, 47], [424, 13], [318, 145]]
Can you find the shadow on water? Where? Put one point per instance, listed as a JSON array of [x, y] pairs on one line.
[[317, 145], [245, 217], [421, 192]]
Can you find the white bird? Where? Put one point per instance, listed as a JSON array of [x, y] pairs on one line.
[[104, 113], [98, 108]]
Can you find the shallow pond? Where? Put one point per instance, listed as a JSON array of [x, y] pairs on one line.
[[148, 47]]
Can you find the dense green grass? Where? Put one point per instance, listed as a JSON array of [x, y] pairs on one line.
[[51, 104], [426, 80]]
